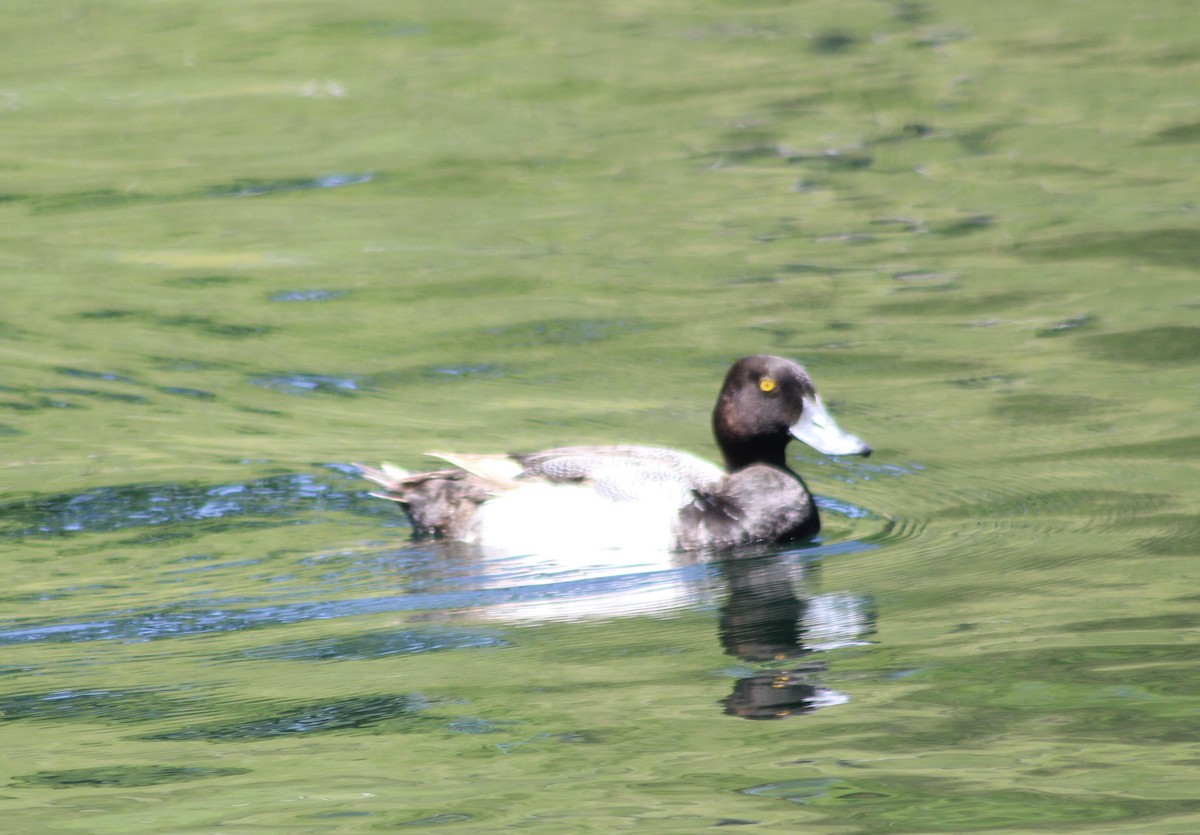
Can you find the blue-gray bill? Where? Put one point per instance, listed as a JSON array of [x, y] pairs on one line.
[[817, 428]]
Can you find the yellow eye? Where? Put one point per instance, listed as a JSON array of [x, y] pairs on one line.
[[766, 384]]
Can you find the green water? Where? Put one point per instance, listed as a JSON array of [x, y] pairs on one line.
[[243, 244]]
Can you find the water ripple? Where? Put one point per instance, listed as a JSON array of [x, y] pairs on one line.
[[105, 509]]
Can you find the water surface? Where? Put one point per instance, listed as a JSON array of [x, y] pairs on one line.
[[245, 244]]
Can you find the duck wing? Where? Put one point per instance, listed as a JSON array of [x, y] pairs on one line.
[[445, 502], [623, 473]]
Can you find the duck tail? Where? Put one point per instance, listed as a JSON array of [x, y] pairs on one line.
[[440, 503], [388, 476]]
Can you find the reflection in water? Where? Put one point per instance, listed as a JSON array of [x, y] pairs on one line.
[[121, 776], [765, 619], [118, 507], [760, 621], [780, 695], [284, 718]]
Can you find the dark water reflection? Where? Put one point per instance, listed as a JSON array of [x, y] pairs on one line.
[[275, 719], [121, 777], [765, 617], [107, 509]]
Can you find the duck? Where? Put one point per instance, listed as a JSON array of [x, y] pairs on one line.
[[620, 496]]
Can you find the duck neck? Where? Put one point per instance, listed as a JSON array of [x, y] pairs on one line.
[[742, 453]]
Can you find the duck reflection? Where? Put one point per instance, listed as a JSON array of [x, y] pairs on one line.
[[765, 619]]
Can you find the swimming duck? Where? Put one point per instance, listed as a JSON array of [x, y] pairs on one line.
[[639, 496]]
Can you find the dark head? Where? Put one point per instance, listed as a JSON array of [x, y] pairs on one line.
[[765, 402]]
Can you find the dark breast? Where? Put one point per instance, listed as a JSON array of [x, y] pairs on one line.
[[760, 503]]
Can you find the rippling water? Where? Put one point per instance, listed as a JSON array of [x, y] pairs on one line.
[[244, 247]]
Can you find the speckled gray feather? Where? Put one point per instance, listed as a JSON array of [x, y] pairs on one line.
[[623, 473]]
